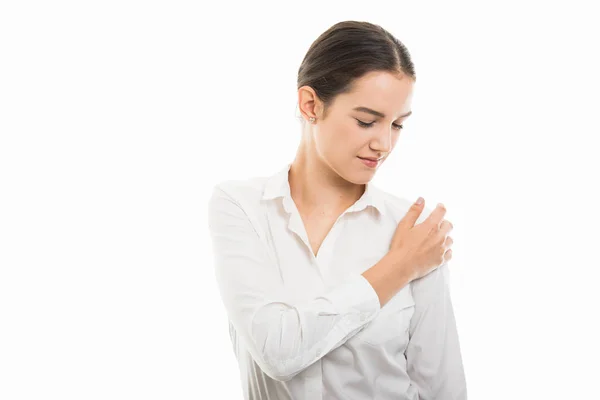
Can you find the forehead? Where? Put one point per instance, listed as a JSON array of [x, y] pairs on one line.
[[381, 91]]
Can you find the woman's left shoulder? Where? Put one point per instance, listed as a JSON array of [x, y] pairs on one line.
[[432, 286]]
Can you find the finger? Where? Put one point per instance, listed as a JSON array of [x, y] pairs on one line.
[[448, 255], [412, 215], [446, 226], [448, 242], [435, 218]]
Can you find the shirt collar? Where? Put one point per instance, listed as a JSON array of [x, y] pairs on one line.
[[278, 185]]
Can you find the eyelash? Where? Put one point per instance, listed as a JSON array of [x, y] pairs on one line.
[[368, 125]]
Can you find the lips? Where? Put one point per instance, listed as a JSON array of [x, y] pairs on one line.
[[370, 158], [370, 163]]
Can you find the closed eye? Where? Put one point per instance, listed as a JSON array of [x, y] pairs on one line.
[[370, 124]]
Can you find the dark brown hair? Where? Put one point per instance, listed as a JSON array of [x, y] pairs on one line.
[[345, 52]]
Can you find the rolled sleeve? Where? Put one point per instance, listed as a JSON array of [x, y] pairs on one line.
[[357, 301], [283, 338]]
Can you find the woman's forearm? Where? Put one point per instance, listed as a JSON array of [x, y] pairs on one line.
[[388, 276]]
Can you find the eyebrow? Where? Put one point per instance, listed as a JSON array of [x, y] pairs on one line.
[[377, 113]]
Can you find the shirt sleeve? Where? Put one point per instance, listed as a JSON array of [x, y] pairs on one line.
[[434, 361], [283, 338]]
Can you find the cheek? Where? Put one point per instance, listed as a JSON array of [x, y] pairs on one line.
[[341, 140], [328, 140], [341, 136]]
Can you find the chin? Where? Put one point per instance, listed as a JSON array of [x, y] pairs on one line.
[[363, 177], [356, 172]]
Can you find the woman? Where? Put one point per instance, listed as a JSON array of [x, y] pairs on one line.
[[335, 289]]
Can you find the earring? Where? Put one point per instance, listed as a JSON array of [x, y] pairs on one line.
[[312, 119]]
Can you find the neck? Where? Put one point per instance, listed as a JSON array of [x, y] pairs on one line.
[[315, 187]]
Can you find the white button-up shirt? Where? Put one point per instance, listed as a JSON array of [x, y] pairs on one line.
[[306, 327]]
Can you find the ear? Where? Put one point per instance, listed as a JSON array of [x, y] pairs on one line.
[[308, 102]]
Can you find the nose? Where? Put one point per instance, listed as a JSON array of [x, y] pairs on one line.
[[382, 142]]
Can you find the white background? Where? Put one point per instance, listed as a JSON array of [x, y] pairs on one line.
[[117, 117]]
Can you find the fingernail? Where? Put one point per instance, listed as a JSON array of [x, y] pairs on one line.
[[419, 200]]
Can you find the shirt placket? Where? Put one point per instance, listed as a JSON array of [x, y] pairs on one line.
[[325, 255], [314, 378]]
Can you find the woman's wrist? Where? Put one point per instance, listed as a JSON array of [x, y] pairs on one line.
[[388, 276]]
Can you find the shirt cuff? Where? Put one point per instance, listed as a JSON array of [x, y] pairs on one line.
[[356, 301]]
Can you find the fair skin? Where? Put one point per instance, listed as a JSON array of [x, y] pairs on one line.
[[327, 176]]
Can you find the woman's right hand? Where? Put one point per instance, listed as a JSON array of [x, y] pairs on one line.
[[422, 248]]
